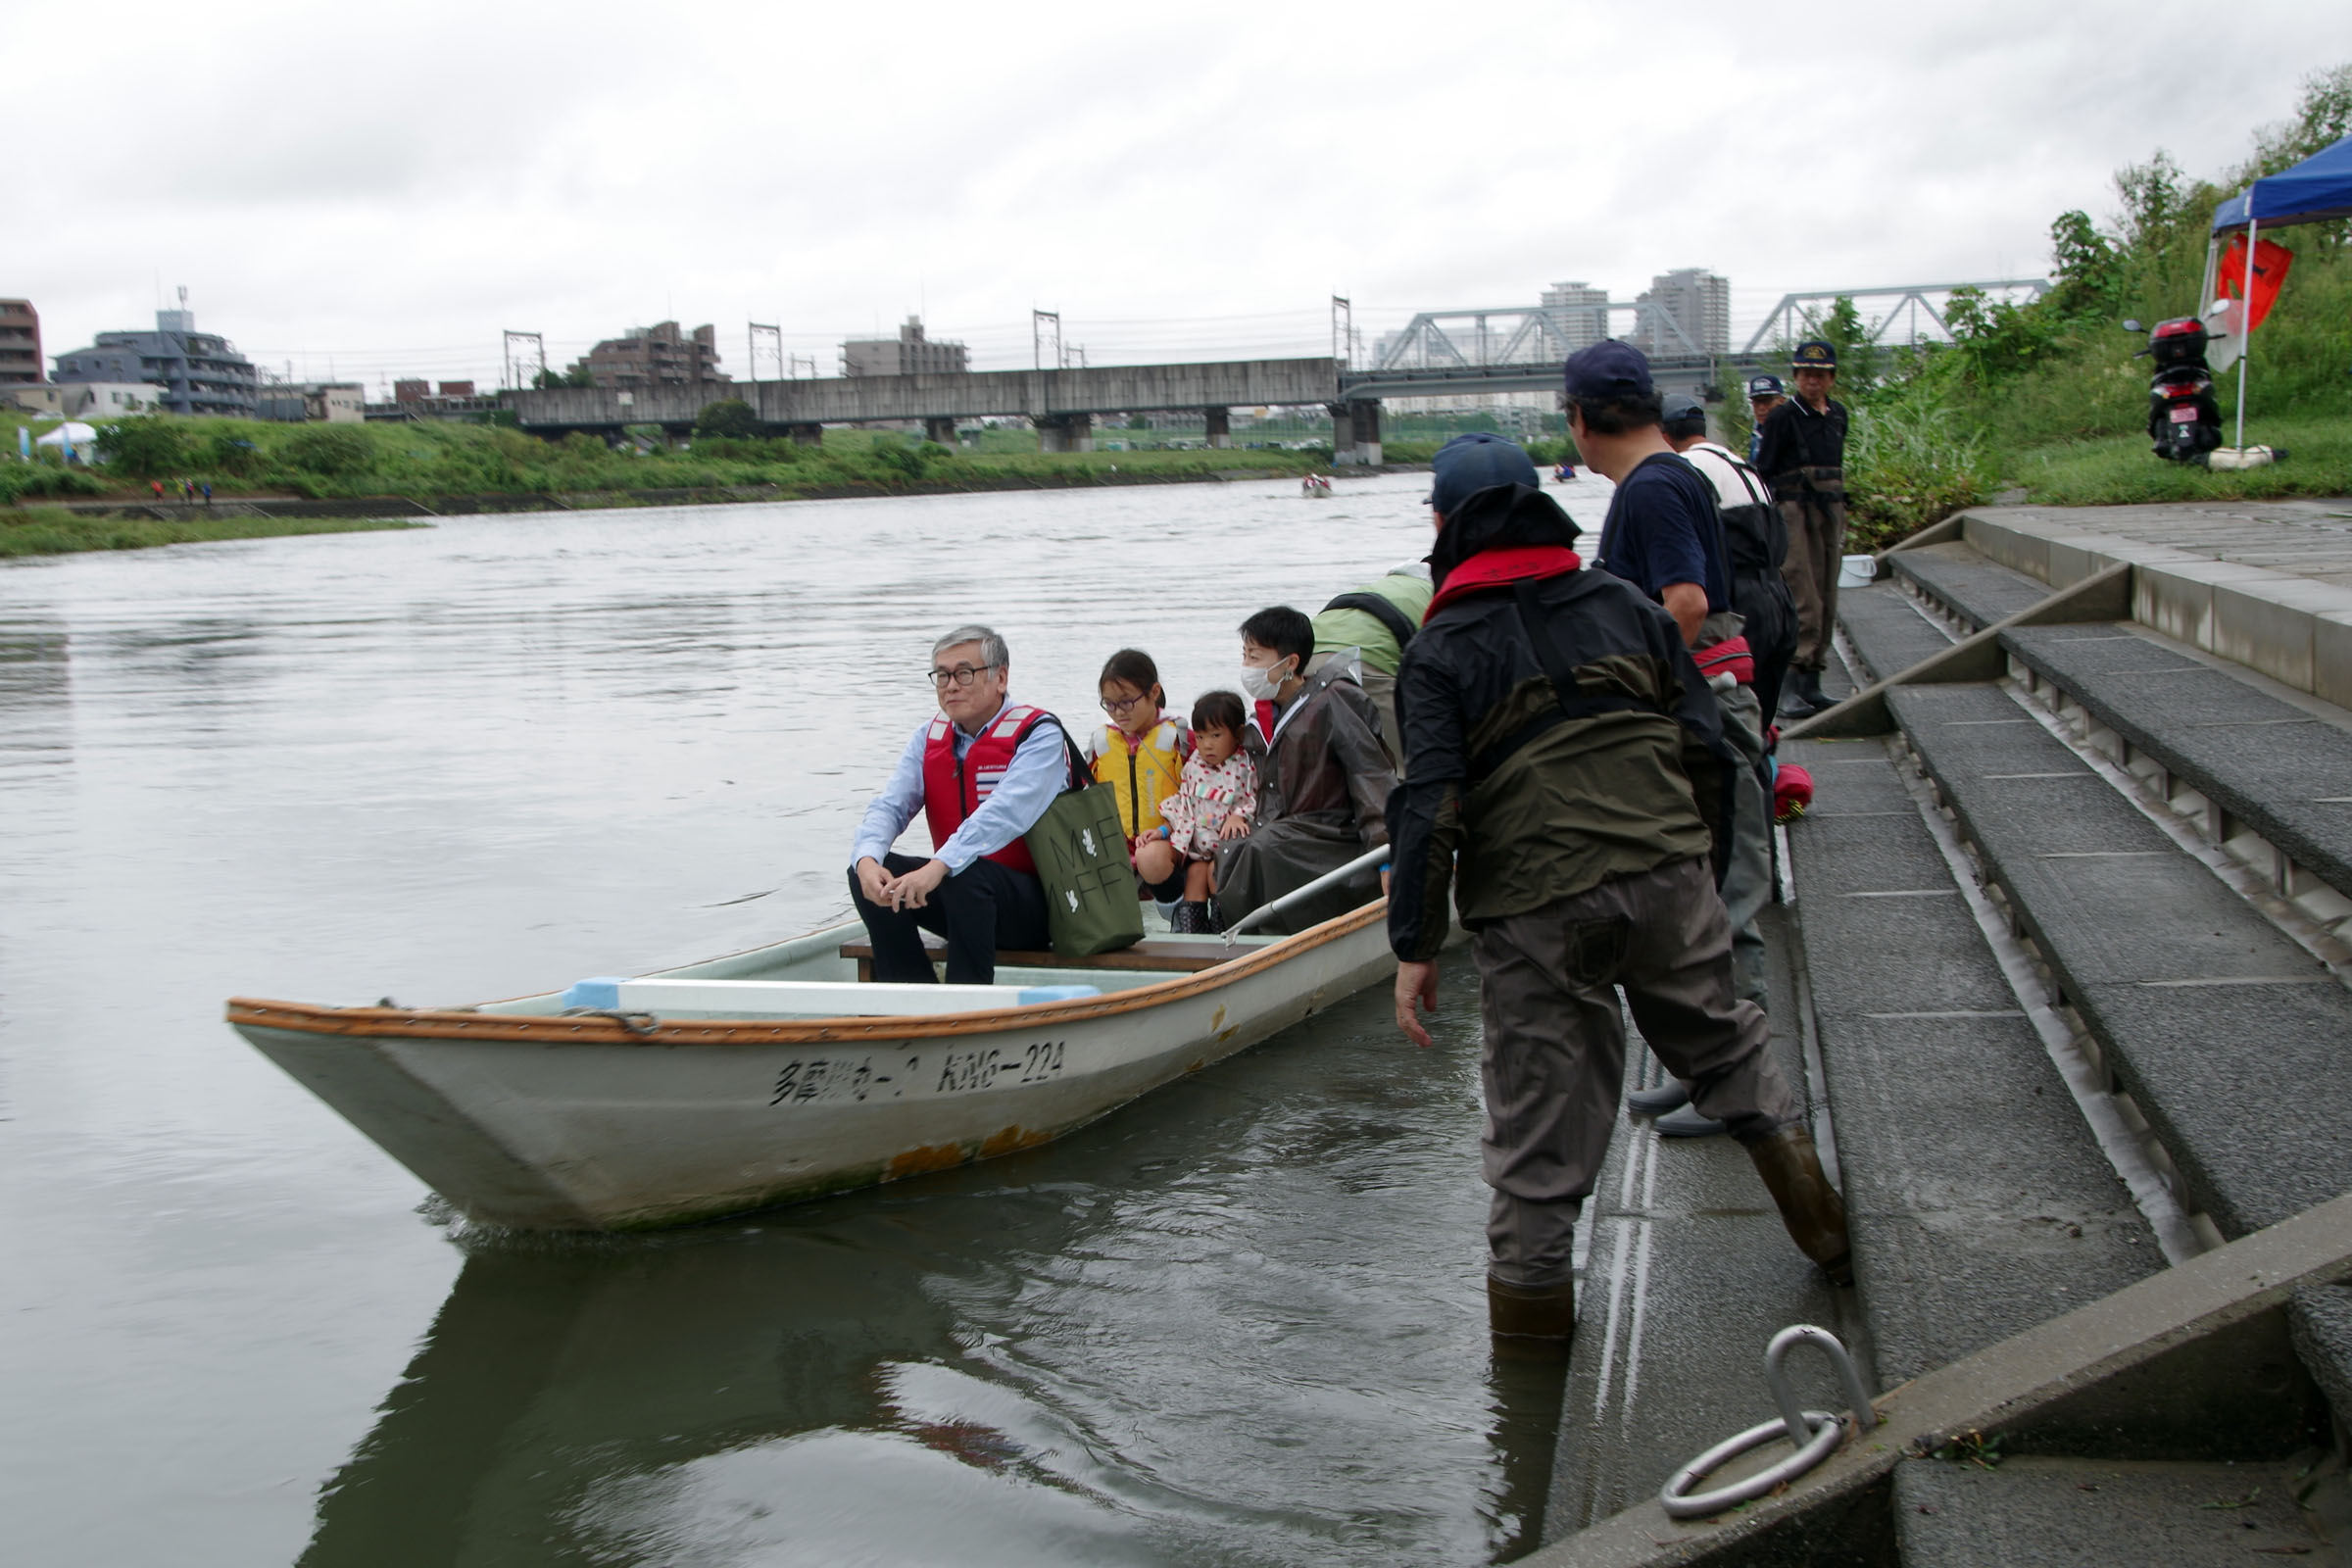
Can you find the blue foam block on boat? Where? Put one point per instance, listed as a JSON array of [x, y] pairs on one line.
[[602, 992], [1031, 996]]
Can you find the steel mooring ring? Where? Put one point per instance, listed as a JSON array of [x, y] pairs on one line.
[[1815, 1432]]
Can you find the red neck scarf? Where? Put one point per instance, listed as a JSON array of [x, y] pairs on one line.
[[1500, 568]]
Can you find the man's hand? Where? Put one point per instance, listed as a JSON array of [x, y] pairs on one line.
[[914, 890], [1416, 984], [873, 881]]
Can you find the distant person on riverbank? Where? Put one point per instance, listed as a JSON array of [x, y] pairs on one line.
[[1565, 763], [1140, 754], [1216, 800], [981, 771], [1764, 394], [1377, 621], [1323, 789], [1801, 452], [207, 493]]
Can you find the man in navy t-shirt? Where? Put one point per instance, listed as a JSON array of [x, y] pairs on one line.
[[1663, 533]]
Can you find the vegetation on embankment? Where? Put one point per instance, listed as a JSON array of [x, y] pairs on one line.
[[55, 531], [326, 461], [2047, 396]]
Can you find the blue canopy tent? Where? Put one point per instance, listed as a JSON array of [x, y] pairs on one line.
[[2313, 191]]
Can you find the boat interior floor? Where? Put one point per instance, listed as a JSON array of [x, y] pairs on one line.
[[1158, 956]]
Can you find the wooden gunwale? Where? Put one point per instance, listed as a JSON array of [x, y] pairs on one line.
[[306, 1017]]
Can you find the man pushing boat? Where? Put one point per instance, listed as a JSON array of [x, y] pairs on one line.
[[982, 771], [1561, 744]]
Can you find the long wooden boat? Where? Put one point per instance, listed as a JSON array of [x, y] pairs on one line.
[[784, 1072]]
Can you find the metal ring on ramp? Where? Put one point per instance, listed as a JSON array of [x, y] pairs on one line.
[[1816, 1433]]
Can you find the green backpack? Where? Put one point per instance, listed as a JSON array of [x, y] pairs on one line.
[[1081, 854]]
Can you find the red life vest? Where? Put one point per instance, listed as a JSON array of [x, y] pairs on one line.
[[954, 786]]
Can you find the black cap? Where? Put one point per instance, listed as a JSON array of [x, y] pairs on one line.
[[1765, 386], [1608, 369], [1683, 416], [1813, 354], [1475, 462]]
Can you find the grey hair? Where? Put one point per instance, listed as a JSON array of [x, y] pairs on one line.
[[993, 652]]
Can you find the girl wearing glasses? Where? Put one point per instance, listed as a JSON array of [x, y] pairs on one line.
[[1140, 754]]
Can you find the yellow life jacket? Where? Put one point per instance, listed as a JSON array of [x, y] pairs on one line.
[[1141, 776]]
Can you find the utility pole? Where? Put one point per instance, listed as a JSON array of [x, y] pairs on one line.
[[1037, 339], [750, 348], [797, 359], [518, 350], [1343, 328]]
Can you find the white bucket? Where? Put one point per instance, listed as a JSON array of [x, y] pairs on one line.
[[1857, 572]]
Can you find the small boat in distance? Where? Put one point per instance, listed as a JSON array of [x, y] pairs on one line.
[[786, 1071], [1315, 487]]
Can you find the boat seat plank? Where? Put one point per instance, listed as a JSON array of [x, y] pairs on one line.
[[1172, 958], [812, 998]]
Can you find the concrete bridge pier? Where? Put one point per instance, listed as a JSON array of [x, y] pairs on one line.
[[1065, 432], [808, 435], [1356, 433], [1220, 427], [940, 431]]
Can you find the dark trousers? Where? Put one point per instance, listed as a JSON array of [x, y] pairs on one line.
[[980, 908]]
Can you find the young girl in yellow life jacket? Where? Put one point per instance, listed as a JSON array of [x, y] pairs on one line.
[[1140, 754]]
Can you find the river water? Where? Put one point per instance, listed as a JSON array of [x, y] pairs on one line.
[[1238, 1322]]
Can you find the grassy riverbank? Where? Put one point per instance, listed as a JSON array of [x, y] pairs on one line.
[[54, 531]]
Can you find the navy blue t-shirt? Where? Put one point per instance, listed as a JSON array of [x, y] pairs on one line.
[[1663, 528]]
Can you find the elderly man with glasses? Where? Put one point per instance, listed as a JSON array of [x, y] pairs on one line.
[[982, 771]]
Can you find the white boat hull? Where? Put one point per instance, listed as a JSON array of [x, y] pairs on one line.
[[521, 1116]]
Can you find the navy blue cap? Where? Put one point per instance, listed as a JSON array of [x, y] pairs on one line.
[[1478, 461], [1765, 386], [1814, 355], [1608, 369], [1682, 415]]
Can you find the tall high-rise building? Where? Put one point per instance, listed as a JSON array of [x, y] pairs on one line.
[[20, 362], [1582, 313], [1686, 310], [199, 372]]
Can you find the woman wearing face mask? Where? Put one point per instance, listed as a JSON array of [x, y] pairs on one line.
[[1323, 787]]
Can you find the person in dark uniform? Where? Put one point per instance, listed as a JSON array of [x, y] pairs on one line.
[[1801, 452], [1764, 394]]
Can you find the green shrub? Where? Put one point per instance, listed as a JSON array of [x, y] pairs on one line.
[[46, 479], [728, 416], [147, 447]]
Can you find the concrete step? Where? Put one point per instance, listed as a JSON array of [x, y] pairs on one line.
[[1978, 590], [2031, 1510], [1979, 1198], [1882, 625]]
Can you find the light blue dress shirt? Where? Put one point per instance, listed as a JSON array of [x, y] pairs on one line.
[[1038, 773]]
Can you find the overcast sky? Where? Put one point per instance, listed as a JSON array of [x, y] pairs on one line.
[[386, 190]]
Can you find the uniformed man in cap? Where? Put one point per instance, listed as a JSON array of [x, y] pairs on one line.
[[1764, 394], [1800, 450]]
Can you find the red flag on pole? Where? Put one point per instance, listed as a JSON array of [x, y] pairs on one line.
[[2270, 261]]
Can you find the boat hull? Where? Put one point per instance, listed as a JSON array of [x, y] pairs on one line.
[[545, 1122]]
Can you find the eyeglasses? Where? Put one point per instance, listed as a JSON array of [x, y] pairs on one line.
[[1115, 706], [962, 675]]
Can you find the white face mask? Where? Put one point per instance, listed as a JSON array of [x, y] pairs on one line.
[[1262, 684]]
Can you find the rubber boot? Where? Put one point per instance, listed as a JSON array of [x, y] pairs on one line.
[[1669, 1096], [1809, 1206], [1800, 694], [1687, 1122], [1190, 918], [1531, 1311]]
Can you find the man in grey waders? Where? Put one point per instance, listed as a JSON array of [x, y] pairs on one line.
[[1563, 748], [1801, 452]]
